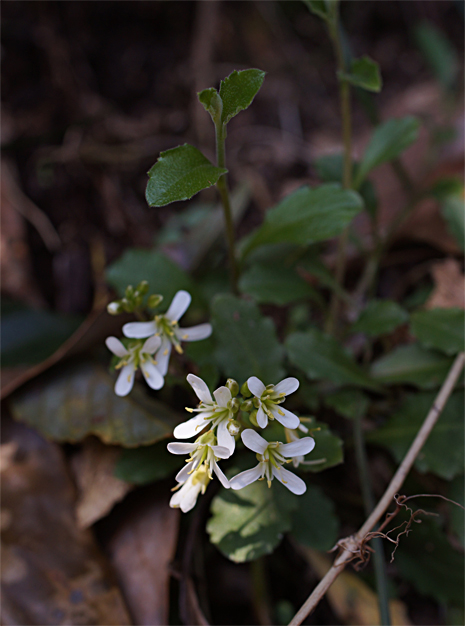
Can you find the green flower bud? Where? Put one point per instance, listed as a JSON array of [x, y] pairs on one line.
[[138, 301], [253, 418], [127, 306], [154, 301], [233, 386], [245, 391], [142, 288], [256, 402], [235, 405], [129, 292], [234, 427], [247, 406], [114, 308]]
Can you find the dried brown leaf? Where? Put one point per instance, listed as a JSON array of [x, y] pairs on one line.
[[449, 285]]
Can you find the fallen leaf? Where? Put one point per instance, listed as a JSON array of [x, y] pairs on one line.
[[449, 285], [98, 488]]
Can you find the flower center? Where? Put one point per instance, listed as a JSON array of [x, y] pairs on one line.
[[168, 328]]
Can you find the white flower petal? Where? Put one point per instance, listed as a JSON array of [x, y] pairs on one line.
[[224, 437], [178, 306], [253, 441], [200, 387], [222, 396], [162, 357], [287, 386], [139, 330], [184, 473], [125, 380], [176, 447], [290, 480], [262, 417], [190, 428], [288, 419], [115, 346], [221, 452], [297, 448], [152, 375], [246, 478], [151, 345], [256, 386], [221, 477], [186, 497], [194, 333]]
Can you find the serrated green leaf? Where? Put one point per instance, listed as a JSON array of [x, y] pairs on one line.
[[456, 492], [388, 141], [427, 560], [307, 216], [78, 400], [179, 174], [443, 452], [321, 357], [238, 90], [250, 523], [350, 403], [364, 73], [412, 364], [380, 317], [148, 464], [442, 329], [327, 446], [275, 284], [314, 523], [211, 101], [438, 52], [246, 342]]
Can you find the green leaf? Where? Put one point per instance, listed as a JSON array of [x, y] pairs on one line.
[[442, 329], [456, 492], [348, 402], [326, 9], [314, 523], [78, 400], [275, 283], [246, 342], [238, 90], [454, 214], [321, 357], [427, 560], [250, 523], [327, 446], [363, 73], [179, 174], [307, 216], [412, 364], [162, 274], [388, 142], [380, 317], [148, 464], [211, 100], [438, 52], [443, 452]]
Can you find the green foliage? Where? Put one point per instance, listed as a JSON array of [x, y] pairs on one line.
[[363, 73], [438, 52], [388, 141], [327, 446], [454, 214], [320, 356], [307, 216], [442, 329], [412, 364], [212, 102], [349, 403], [274, 283], [443, 452], [326, 9], [246, 342], [179, 174], [380, 317], [147, 464], [314, 523], [250, 523], [78, 400], [238, 90]]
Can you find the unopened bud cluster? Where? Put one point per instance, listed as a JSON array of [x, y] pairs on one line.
[[134, 299]]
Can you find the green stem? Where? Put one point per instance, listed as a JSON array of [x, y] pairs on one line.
[[222, 186], [260, 598]]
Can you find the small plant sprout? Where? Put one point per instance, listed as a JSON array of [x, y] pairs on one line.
[[271, 457], [267, 400], [136, 354], [220, 412], [167, 328]]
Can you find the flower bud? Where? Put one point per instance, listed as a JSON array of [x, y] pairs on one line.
[[235, 405], [247, 406], [127, 306], [245, 391], [234, 427], [233, 387], [256, 402], [137, 301], [114, 308], [154, 301], [142, 288], [129, 292], [253, 418]]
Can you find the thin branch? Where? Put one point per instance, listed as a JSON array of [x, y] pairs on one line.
[[351, 545]]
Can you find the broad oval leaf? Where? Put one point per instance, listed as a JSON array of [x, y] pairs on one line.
[[412, 364], [350, 403], [179, 174], [388, 142], [250, 522], [246, 342], [363, 73], [238, 90], [307, 216], [321, 357], [274, 283], [380, 317], [314, 523], [79, 400], [442, 329]]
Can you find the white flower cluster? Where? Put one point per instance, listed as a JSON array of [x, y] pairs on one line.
[[218, 442]]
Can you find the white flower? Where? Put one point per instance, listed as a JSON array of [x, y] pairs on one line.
[[292, 435], [270, 397], [219, 412], [186, 497], [167, 328], [204, 450], [137, 355], [271, 457]]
